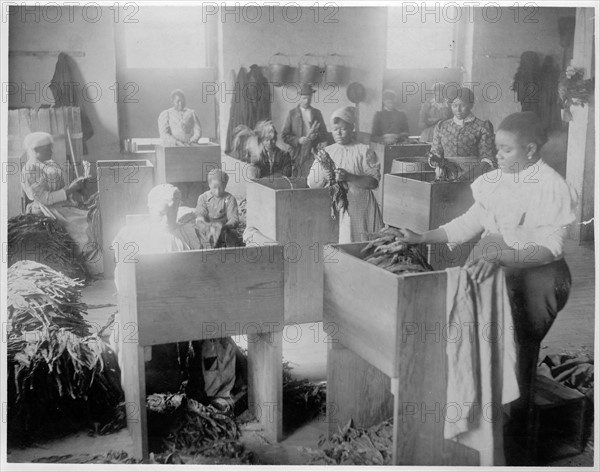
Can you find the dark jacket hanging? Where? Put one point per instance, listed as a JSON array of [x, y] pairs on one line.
[[66, 89]]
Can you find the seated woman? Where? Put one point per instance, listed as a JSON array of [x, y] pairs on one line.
[[43, 182], [178, 125], [270, 161], [259, 148], [433, 111], [217, 213], [356, 166], [523, 210], [390, 125], [464, 139]]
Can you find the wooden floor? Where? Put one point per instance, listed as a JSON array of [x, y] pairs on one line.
[[574, 326]]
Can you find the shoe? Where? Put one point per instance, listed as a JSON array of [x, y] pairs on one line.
[[224, 405]]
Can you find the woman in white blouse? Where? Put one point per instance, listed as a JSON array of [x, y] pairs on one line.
[[357, 165], [179, 126], [522, 210]]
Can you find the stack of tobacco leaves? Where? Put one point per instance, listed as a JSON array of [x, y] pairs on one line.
[[302, 400], [183, 425], [42, 239], [358, 446], [60, 375], [386, 250]]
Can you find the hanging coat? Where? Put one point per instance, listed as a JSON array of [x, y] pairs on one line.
[[549, 102], [237, 113], [66, 89]]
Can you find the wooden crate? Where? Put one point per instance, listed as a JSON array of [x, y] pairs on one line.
[[417, 202], [186, 163], [238, 172], [388, 154], [380, 365], [205, 294], [123, 187], [187, 168], [300, 220]]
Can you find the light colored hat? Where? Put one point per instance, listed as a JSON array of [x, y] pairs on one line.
[[163, 196], [389, 93], [37, 139], [346, 114], [218, 174]]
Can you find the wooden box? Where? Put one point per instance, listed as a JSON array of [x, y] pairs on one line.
[[187, 168], [300, 220], [186, 163], [385, 359], [205, 294], [123, 188], [417, 202], [388, 154], [238, 172]]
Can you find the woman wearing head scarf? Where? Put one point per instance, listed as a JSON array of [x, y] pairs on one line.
[[44, 183], [179, 126], [433, 111], [358, 168], [465, 139]]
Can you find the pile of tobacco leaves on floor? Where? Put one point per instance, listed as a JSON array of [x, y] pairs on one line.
[[61, 375], [180, 426], [42, 239], [386, 250], [358, 446]]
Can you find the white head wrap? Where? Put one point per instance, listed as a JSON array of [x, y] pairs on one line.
[[346, 114], [37, 139]]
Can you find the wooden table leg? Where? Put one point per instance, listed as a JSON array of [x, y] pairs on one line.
[[265, 381], [135, 398], [355, 389]]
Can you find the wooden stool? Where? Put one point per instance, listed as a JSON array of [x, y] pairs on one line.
[[551, 395]]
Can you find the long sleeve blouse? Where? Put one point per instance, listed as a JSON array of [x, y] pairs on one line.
[[530, 207]]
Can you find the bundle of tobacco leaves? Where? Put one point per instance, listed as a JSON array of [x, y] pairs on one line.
[[358, 446], [60, 374], [42, 239], [183, 425], [337, 190], [386, 250]]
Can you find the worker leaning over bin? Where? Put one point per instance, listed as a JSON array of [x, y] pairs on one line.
[[211, 363]]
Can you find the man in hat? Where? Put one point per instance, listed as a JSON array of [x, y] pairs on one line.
[[390, 124], [304, 128]]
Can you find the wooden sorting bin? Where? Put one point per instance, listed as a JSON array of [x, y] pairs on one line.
[[388, 154], [298, 218], [123, 187], [205, 294], [379, 363], [187, 167], [417, 202], [186, 163]]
